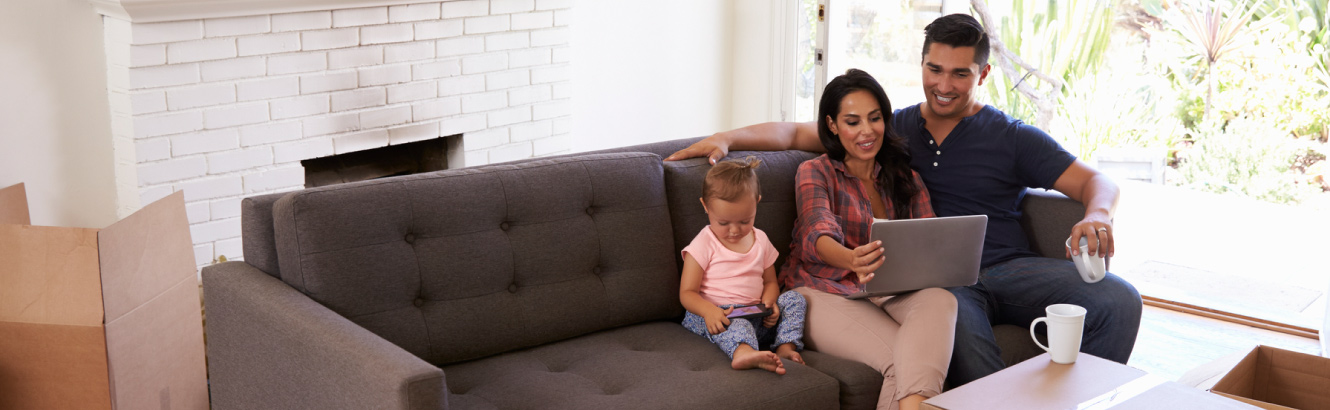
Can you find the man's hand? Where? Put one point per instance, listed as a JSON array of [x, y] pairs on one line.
[[713, 147], [1099, 194], [1098, 234], [717, 320]]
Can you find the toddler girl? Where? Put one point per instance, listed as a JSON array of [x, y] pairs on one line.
[[730, 263]]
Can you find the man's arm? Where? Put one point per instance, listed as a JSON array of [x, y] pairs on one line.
[[1099, 194], [771, 136]]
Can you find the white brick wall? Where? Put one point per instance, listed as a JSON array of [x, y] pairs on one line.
[[248, 67], [413, 12], [236, 26], [301, 21], [225, 108], [429, 30], [268, 44], [360, 17], [201, 50]]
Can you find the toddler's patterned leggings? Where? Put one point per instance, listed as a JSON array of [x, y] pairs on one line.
[[790, 328]]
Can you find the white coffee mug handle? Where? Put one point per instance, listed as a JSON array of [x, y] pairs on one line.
[[1036, 340]]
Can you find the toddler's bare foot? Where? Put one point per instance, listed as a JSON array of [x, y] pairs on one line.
[[747, 358], [787, 352]]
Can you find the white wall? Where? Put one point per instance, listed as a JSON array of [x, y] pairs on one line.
[[55, 131], [763, 40], [646, 71]]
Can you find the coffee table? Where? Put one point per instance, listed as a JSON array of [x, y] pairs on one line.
[[1091, 383]]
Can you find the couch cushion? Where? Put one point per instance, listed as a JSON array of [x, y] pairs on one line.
[[860, 385], [775, 214], [657, 365], [256, 236], [463, 264]]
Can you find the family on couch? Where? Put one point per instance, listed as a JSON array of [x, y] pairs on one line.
[[951, 155]]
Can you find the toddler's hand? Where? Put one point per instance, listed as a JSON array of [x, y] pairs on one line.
[[771, 320], [717, 320]]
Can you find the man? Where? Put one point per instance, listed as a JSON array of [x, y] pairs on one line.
[[974, 159]]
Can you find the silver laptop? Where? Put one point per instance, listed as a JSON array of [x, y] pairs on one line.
[[926, 253]]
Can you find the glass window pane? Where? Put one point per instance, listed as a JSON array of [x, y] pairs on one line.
[[805, 65], [884, 38]]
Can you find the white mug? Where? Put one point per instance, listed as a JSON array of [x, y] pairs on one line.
[[1065, 323], [1091, 267]]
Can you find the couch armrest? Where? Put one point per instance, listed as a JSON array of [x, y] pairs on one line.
[[269, 346], [1047, 217]]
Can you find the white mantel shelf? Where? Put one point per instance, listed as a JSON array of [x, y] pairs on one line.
[[152, 11]]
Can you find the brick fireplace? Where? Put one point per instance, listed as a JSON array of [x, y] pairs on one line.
[[224, 99]]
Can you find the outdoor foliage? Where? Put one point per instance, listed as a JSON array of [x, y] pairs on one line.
[[1246, 110], [1244, 158], [1064, 39], [1117, 109], [1236, 92]]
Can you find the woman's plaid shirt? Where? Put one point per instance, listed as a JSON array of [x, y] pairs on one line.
[[834, 203]]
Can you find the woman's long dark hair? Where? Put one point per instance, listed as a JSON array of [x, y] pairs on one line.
[[896, 180]]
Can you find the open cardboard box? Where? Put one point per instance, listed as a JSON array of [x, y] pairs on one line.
[[1273, 378], [1091, 383], [100, 319]]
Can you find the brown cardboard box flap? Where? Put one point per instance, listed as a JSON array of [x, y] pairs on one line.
[[1173, 395], [102, 320], [49, 275], [1279, 377], [156, 352], [1256, 403], [44, 366], [14, 205], [145, 254], [1039, 383]]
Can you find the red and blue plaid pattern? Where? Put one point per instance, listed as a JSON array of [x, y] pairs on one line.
[[834, 203]]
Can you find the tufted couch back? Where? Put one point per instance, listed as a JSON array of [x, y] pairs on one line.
[[462, 264], [775, 213]]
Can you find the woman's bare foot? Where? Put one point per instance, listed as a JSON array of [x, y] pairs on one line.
[[745, 357], [787, 352]]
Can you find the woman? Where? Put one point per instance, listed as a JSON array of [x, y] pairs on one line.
[[865, 175]]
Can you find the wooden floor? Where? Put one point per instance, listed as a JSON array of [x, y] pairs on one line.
[[1171, 343]]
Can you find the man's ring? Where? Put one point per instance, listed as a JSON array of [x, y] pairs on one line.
[[1103, 229]]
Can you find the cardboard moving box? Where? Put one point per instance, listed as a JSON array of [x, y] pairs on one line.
[[1273, 378], [1091, 383], [103, 319], [14, 206]]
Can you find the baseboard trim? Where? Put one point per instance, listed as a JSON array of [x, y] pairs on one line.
[[1231, 317]]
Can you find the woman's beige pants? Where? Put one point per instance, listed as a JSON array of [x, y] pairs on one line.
[[907, 338]]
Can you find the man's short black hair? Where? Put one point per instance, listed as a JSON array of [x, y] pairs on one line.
[[958, 30]]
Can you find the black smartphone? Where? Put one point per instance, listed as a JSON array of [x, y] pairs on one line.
[[749, 311]]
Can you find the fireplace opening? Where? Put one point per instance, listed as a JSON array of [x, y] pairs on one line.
[[393, 160]]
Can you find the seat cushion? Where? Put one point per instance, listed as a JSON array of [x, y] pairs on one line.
[[654, 365]]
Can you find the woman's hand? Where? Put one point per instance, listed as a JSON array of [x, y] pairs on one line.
[[717, 320], [774, 317], [714, 148], [865, 260]]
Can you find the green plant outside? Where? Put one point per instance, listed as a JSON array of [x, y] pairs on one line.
[[1064, 39], [1268, 93]]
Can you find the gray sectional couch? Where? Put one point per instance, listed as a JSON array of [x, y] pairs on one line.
[[542, 284]]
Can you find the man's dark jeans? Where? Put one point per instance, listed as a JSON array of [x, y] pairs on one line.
[[1017, 291]]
